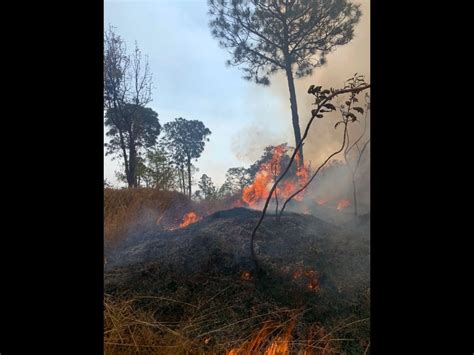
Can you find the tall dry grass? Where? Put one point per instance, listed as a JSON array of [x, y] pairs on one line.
[[130, 328], [126, 207], [209, 323]]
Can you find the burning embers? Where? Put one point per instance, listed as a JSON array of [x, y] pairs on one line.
[[267, 174], [342, 204], [339, 205], [276, 338], [312, 277], [189, 218], [245, 275], [259, 344], [321, 202]]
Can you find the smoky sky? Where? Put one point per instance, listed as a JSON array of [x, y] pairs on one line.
[[323, 139], [192, 81]]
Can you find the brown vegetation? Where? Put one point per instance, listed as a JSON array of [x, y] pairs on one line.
[[124, 208], [128, 208]]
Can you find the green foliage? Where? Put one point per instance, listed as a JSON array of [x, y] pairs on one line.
[[225, 190], [208, 189], [158, 172], [132, 122], [236, 180], [185, 139], [266, 36], [267, 157], [127, 90]]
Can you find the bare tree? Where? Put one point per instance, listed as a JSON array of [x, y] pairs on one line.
[[323, 105], [355, 85], [127, 91], [353, 169]]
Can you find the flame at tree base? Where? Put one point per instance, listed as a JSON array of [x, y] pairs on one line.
[[258, 191]]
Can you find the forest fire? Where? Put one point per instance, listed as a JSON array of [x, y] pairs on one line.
[[189, 218], [342, 204], [280, 345], [237, 221], [260, 187], [266, 176]]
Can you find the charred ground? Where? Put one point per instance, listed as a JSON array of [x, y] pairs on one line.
[[200, 287]]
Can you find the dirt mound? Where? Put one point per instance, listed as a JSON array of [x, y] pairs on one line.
[[219, 244], [194, 288]]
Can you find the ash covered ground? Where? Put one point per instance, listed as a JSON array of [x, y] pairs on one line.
[[219, 244], [199, 280]]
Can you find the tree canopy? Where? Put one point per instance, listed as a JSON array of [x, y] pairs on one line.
[[265, 36], [138, 125], [127, 90], [186, 140], [207, 187]]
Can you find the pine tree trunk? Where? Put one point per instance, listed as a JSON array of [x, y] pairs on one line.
[[294, 108], [125, 157], [181, 179], [132, 170], [189, 176]]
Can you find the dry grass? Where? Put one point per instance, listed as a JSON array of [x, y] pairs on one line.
[[126, 207], [213, 315], [131, 328]]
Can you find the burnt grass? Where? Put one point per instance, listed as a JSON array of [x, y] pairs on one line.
[[201, 282]]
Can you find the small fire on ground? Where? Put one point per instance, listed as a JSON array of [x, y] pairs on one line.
[[189, 218], [284, 343], [339, 205], [342, 204]]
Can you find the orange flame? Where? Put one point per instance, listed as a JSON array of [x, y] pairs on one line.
[[279, 346], [245, 275], [236, 203], [321, 202], [342, 204], [313, 277], [297, 274], [260, 187], [314, 280], [306, 210], [264, 178], [188, 219]]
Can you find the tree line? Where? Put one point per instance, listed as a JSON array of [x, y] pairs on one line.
[[152, 155], [262, 37]]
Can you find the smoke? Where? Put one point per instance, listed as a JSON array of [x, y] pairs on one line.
[[323, 138], [250, 141]]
